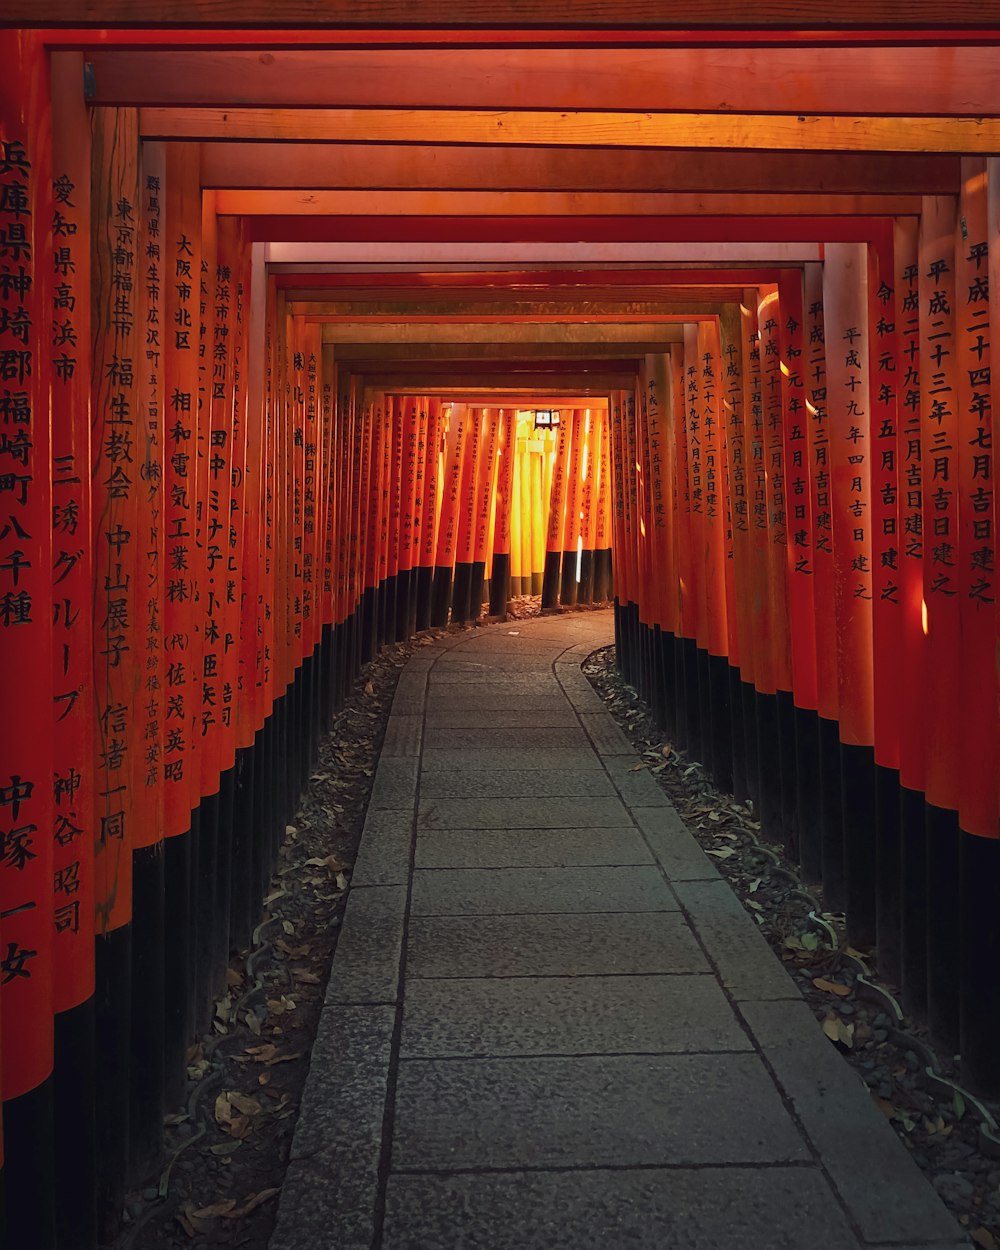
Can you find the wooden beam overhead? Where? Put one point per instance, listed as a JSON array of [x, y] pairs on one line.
[[557, 204], [486, 308], [557, 231], [595, 336], [684, 15], [962, 80], [745, 131], [580, 383], [414, 167], [357, 354], [527, 282]]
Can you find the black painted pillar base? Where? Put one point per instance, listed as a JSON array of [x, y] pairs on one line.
[[944, 903], [789, 773], [888, 873], [857, 781], [425, 580], [204, 895], [769, 767], [680, 694], [721, 722], [178, 1023], [667, 644], [619, 638], [653, 644], [441, 596], [809, 804], [369, 624], [551, 577], [738, 742], [146, 1071], [748, 697], [28, 1130], [832, 815], [692, 705], [402, 604], [476, 584], [461, 592], [533, 584], [585, 586], [411, 605], [242, 900], [602, 575], [705, 727], [499, 583], [113, 961], [980, 959], [75, 1132], [568, 582]]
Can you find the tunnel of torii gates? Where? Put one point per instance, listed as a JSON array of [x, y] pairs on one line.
[[314, 336]]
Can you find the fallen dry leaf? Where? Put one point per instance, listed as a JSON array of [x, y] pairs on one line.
[[832, 987]]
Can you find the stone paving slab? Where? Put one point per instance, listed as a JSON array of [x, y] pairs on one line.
[[523, 736], [530, 848], [652, 1209], [547, 715], [384, 854], [604, 733], [590, 1111], [557, 945], [674, 845], [882, 1187], [518, 813], [366, 962], [492, 695], [525, 783], [513, 758], [509, 891], [338, 1134], [395, 784], [403, 736], [634, 782], [568, 1016], [746, 964]]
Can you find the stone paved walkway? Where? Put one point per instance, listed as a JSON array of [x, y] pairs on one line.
[[550, 1025]]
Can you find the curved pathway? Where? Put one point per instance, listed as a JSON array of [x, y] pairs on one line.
[[550, 1024]]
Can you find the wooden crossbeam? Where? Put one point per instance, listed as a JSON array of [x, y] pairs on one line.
[[684, 15], [361, 355], [415, 167], [558, 204], [961, 80], [784, 132], [593, 334]]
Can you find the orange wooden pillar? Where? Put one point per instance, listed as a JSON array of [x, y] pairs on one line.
[[500, 567], [603, 589], [571, 522], [430, 499], [27, 810], [417, 509], [410, 416], [845, 310], [466, 520], [887, 624], [804, 832], [740, 616], [699, 569], [486, 478], [939, 439], [661, 573], [589, 493], [551, 579], [458, 422], [73, 689], [979, 909]]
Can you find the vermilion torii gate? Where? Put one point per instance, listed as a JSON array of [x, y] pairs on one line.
[[269, 301]]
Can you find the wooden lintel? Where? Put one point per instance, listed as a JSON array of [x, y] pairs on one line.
[[518, 332], [580, 383], [744, 131], [684, 15], [358, 355], [525, 282], [560, 203], [961, 80], [560, 230], [491, 397], [461, 309]]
